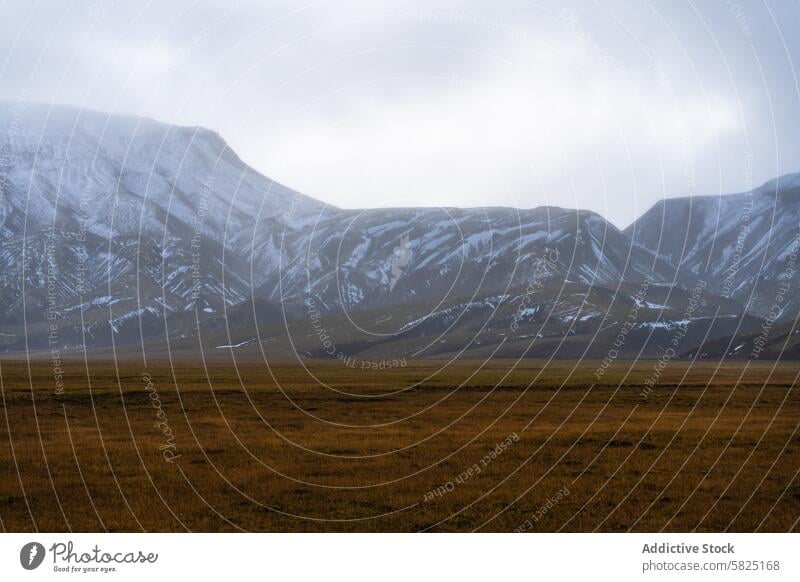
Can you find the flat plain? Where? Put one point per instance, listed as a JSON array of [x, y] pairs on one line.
[[430, 446]]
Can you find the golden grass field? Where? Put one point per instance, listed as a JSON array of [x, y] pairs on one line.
[[332, 448]]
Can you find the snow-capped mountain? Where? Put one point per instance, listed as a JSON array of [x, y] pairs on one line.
[[387, 256], [129, 215], [118, 210], [745, 246], [122, 228]]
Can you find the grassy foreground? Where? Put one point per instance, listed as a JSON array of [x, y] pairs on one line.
[[230, 446]]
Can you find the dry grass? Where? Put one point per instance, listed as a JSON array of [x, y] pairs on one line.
[[275, 450]]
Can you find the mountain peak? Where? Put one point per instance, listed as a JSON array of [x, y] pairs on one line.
[[791, 180]]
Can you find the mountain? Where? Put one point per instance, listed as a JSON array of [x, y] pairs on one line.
[[119, 230], [348, 258], [566, 320], [744, 246], [130, 217]]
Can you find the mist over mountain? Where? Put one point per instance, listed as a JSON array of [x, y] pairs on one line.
[[121, 230]]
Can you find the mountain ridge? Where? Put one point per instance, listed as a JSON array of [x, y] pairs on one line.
[[120, 226]]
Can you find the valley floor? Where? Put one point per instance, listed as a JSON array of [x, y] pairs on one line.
[[227, 446]]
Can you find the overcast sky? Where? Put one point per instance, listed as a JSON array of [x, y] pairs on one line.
[[609, 105]]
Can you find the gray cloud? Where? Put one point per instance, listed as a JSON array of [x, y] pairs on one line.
[[376, 103]]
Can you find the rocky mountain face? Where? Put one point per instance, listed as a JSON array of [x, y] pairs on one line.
[[745, 246], [119, 230], [358, 259], [131, 218]]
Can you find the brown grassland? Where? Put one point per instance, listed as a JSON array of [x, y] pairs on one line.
[[333, 448]]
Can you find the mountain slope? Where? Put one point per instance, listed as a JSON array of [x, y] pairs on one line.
[[767, 342], [745, 246], [128, 215], [349, 257], [121, 229]]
